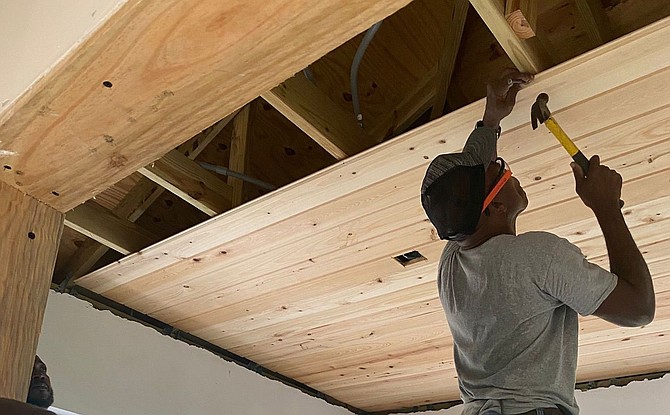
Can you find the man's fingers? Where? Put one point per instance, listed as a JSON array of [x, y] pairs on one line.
[[578, 172], [594, 162]]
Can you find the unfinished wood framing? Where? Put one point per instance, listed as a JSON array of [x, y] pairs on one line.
[[192, 183], [72, 143], [311, 288], [320, 118], [447, 62], [239, 154], [30, 235], [103, 226], [137, 201], [526, 55], [595, 21]]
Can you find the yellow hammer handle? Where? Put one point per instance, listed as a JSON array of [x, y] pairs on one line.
[[561, 136]]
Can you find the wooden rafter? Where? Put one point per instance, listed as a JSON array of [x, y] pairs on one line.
[[239, 153], [186, 179], [526, 54], [72, 143], [311, 110], [137, 201], [407, 111], [447, 61], [595, 21], [103, 226]]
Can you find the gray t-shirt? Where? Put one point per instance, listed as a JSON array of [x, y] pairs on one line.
[[512, 306]]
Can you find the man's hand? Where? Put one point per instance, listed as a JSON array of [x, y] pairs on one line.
[[501, 96], [601, 190]]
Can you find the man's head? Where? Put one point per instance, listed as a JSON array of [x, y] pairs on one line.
[[40, 392], [460, 200]]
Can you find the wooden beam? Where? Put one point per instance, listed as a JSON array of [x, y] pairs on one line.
[[137, 201], [522, 17], [239, 153], [526, 54], [30, 235], [103, 226], [595, 21], [311, 110], [151, 77], [190, 182], [447, 62]]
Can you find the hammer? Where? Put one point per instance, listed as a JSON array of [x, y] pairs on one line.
[[540, 112]]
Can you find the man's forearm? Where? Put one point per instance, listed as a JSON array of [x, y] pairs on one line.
[[626, 261]]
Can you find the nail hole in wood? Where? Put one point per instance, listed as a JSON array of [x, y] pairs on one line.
[[31, 235], [55, 193], [107, 84]]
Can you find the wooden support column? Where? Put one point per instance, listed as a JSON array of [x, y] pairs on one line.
[[526, 54], [239, 153], [30, 235]]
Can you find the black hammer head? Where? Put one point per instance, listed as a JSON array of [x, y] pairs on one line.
[[539, 111]]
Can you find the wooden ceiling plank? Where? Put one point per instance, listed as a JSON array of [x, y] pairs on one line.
[[171, 302], [311, 110], [108, 229], [526, 55], [631, 165], [189, 181], [177, 77], [292, 230], [234, 334], [239, 153], [30, 233], [137, 201], [447, 61], [573, 79], [595, 21]]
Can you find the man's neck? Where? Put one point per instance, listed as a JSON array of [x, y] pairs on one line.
[[483, 234]]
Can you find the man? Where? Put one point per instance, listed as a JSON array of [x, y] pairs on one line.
[[40, 393], [512, 300]]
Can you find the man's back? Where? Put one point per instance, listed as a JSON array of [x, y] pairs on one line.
[[512, 307]]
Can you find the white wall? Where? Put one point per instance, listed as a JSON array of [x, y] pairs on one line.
[[101, 364], [35, 34]]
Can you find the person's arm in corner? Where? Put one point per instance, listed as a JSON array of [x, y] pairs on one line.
[[632, 302], [500, 99]]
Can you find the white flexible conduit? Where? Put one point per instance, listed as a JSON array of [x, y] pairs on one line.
[[358, 57]]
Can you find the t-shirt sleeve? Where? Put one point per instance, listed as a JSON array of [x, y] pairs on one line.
[[574, 281]]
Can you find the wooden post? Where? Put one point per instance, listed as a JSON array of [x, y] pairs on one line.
[[30, 232]]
